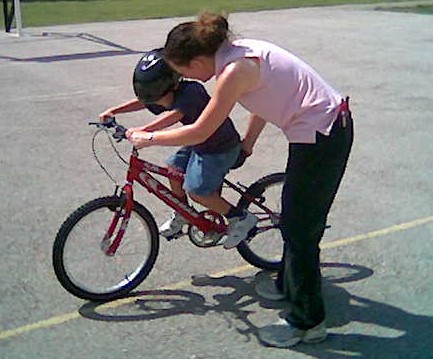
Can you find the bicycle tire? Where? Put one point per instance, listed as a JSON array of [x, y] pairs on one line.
[[264, 249], [75, 257]]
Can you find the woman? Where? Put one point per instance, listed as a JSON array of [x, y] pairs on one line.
[[277, 87]]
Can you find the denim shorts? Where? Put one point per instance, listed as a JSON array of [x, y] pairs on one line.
[[204, 173]]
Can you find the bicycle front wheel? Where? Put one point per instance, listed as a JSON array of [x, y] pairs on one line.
[[80, 260], [264, 248]]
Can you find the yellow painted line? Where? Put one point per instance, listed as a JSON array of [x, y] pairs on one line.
[[60, 319], [39, 325], [379, 233]]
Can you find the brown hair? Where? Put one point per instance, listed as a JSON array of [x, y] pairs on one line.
[[202, 37]]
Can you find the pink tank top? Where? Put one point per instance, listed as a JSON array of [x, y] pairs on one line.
[[290, 94]]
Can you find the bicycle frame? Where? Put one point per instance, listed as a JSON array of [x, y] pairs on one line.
[[140, 171]]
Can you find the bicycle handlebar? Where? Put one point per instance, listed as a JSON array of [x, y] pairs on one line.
[[120, 131]]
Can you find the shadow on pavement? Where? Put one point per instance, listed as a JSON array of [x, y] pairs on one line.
[[120, 50], [71, 57], [412, 332]]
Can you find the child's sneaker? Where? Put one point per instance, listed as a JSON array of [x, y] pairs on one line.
[[238, 229], [173, 226]]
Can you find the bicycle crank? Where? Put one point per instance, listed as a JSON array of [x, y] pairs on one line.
[[201, 239]]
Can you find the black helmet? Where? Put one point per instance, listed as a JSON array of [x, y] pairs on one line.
[[153, 78]]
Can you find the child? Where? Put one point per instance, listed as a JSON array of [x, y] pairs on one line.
[[161, 90]]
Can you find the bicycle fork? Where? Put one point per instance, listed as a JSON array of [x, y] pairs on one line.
[[124, 212]]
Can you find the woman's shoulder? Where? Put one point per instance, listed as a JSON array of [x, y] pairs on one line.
[[243, 73]]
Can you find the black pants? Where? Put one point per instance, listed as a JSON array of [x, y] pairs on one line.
[[313, 175]]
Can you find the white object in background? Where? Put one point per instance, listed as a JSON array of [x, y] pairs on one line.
[[18, 21]]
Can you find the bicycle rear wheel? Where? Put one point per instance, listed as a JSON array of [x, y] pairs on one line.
[[82, 266], [264, 247]]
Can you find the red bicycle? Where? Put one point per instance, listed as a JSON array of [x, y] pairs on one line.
[[108, 246]]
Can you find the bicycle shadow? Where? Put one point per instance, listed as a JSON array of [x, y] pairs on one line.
[[148, 305], [158, 304], [409, 338]]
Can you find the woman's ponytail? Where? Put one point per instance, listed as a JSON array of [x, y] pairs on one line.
[[212, 28], [197, 38]]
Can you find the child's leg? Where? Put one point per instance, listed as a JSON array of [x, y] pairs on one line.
[[176, 163], [203, 179], [214, 201], [176, 186]]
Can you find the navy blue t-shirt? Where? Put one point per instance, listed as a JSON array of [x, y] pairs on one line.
[[191, 98]]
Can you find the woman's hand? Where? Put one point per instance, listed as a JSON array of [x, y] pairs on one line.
[[140, 139], [255, 127], [247, 149], [135, 129]]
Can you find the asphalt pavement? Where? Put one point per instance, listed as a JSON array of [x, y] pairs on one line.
[[200, 304]]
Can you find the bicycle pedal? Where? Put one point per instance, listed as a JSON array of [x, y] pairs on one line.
[[174, 236]]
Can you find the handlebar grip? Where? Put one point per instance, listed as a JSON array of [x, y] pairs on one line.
[[120, 133], [109, 123]]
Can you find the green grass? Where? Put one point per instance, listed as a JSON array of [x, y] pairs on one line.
[[417, 9], [54, 12]]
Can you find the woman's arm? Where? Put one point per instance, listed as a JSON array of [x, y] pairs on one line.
[[128, 106], [255, 127], [236, 79]]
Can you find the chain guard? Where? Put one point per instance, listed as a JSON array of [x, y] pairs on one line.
[[211, 239]]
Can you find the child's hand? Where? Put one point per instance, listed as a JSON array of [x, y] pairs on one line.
[[104, 116]]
